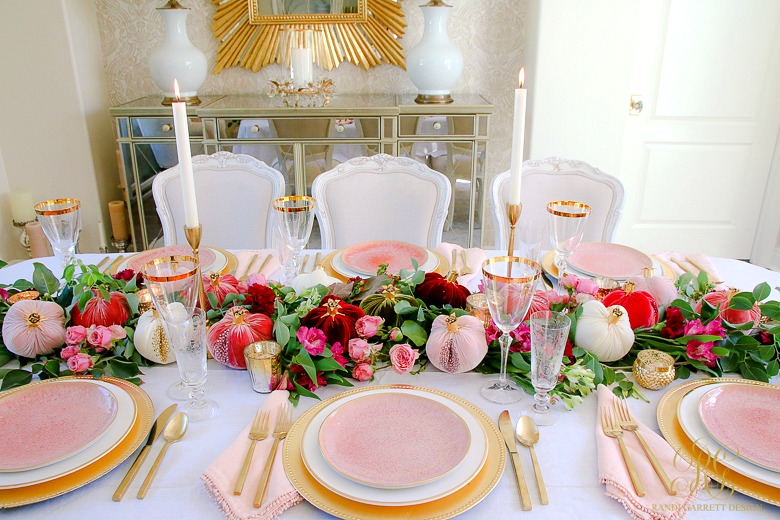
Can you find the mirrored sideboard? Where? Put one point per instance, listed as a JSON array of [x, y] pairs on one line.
[[303, 142]]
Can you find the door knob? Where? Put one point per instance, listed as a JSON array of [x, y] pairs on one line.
[[166, 127], [636, 105]]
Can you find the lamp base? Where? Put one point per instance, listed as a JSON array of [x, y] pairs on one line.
[[189, 100], [24, 239], [433, 99], [120, 245]]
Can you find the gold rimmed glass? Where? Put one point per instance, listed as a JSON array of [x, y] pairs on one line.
[[294, 217], [510, 282], [60, 220], [567, 224]]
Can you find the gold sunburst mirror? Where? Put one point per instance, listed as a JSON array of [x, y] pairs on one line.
[[255, 33]]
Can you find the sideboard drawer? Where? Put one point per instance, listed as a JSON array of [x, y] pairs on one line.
[[295, 129], [436, 125], [162, 127]]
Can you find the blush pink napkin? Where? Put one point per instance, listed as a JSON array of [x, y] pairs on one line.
[[220, 477], [474, 257], [245, 261], [692, 263], [657, 504]]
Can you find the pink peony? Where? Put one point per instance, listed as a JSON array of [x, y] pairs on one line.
[[75, 335], [363, 372], [338, 354], [367, 326], [117, 332], [80, 362], [359, 349], [69, 351], [99, 336], [312, 339], [402, 358]]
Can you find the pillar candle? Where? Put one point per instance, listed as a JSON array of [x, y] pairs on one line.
[[302, 67], [185, 160], [116, 210], [518, 138], [22, 207], [39, 244]]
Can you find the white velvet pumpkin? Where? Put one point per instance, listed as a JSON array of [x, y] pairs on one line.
[[316, 277], [456, 345], [604, 331], [150, 339], [659, 287], [34, 327]]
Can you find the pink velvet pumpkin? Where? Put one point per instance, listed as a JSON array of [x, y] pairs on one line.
[[456, 345], [228, 337], [659, 287], [33, 327], [220, 285], [721, 300]]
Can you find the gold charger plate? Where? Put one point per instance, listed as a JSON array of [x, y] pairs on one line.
[[31, 494], [688, 450], [327, 264], [230, 266], [549, 267], [442, 508]]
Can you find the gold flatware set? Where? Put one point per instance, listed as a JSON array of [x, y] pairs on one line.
[[258, 432], [243, 275], [454, 262]]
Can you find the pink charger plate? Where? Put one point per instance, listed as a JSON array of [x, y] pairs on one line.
[[744, 419], [138, 261], [394, 440], [51, 422], [366, 257], [609, 260]]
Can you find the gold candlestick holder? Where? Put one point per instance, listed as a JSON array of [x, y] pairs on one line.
[[24, 239], [193, 235], [513, 215]]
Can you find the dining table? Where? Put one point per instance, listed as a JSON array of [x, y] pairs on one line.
[[566, 450]]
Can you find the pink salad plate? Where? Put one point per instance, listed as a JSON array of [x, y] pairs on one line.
[[394, 440], [366, 257], [136, 262], [609, 260], [744, 419], [75, 415]]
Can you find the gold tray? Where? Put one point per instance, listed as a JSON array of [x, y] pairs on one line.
[[230, 266], [549, 267], [445, 507], [674, 434], [31, 494], [327, 263]]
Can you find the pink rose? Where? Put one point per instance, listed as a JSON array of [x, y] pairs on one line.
[[80, 362], [75, 335], [366, 326], [570, 281], [363, 372], [117, 332], [257, 278], [402, 358], [69, 351], [359, 349], [396, 334], [587, 286], [312, 339], [99, 336]]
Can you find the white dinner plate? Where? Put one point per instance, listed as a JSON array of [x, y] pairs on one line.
[[446, 485], [430, 265], [120, 427], [217, 265], [690, 421]]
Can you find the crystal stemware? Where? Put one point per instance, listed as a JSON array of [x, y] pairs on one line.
[[567, 224], [60, 220], [172, 283], [187, 335], [549, 331], [532, 231], [294, 217], [509, 283]]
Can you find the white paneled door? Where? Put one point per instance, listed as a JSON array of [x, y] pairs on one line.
[[697, 159]]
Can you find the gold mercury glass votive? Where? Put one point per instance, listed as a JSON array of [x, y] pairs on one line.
[[653, 369], [263, 362], [144, 300], [477, 306]]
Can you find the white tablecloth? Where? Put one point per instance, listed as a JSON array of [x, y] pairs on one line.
[[566, 451]]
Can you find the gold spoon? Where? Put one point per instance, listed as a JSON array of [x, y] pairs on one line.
[[528, 435], [174, 431]]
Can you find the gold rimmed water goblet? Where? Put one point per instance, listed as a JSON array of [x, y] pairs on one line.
[[567, 224], [510, 282], [549, 331], [60, 220], [294, 217]]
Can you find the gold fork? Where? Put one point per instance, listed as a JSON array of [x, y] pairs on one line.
[[283, 423], [627, 422], [258, 432], [612, 430], [466, 269]]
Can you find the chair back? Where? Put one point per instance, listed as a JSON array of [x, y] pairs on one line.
[[234, 194], [381, 198], [553, 179]]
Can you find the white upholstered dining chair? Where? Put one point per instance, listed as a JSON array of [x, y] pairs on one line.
[[234, 194], [555, 178], [381, 198]]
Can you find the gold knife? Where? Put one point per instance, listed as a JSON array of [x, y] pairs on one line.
[[157, 429], [508, 432]]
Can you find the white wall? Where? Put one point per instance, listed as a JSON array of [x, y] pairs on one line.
[[8, 241]]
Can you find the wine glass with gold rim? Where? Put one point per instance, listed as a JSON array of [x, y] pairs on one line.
[[510, 282], [294, 217], [567, 225], [60, 220]]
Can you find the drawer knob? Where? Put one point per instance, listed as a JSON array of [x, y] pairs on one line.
[[339, 128], [166, 127], [255, 129], [437, 126]]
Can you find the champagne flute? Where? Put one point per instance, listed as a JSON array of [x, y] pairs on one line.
[[60, 220], [509, 283], [549, 331], [294, 217], [567, 225]]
